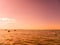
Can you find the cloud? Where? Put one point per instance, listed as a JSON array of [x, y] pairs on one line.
[[7, 20]]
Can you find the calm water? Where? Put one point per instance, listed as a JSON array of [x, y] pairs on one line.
[[30, 37]]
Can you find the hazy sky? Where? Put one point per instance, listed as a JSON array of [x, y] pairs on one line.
[[30, 14]]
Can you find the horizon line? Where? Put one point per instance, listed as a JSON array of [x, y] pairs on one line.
[[29, 29]]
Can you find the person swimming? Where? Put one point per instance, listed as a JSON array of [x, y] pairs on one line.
[[14, 30], [8, 30]]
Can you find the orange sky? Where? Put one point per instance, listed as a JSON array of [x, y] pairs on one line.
[[30, 14]]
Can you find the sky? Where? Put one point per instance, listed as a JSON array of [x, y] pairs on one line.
[[29, 14]]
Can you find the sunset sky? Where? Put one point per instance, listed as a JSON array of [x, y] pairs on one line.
[[29, 14]]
